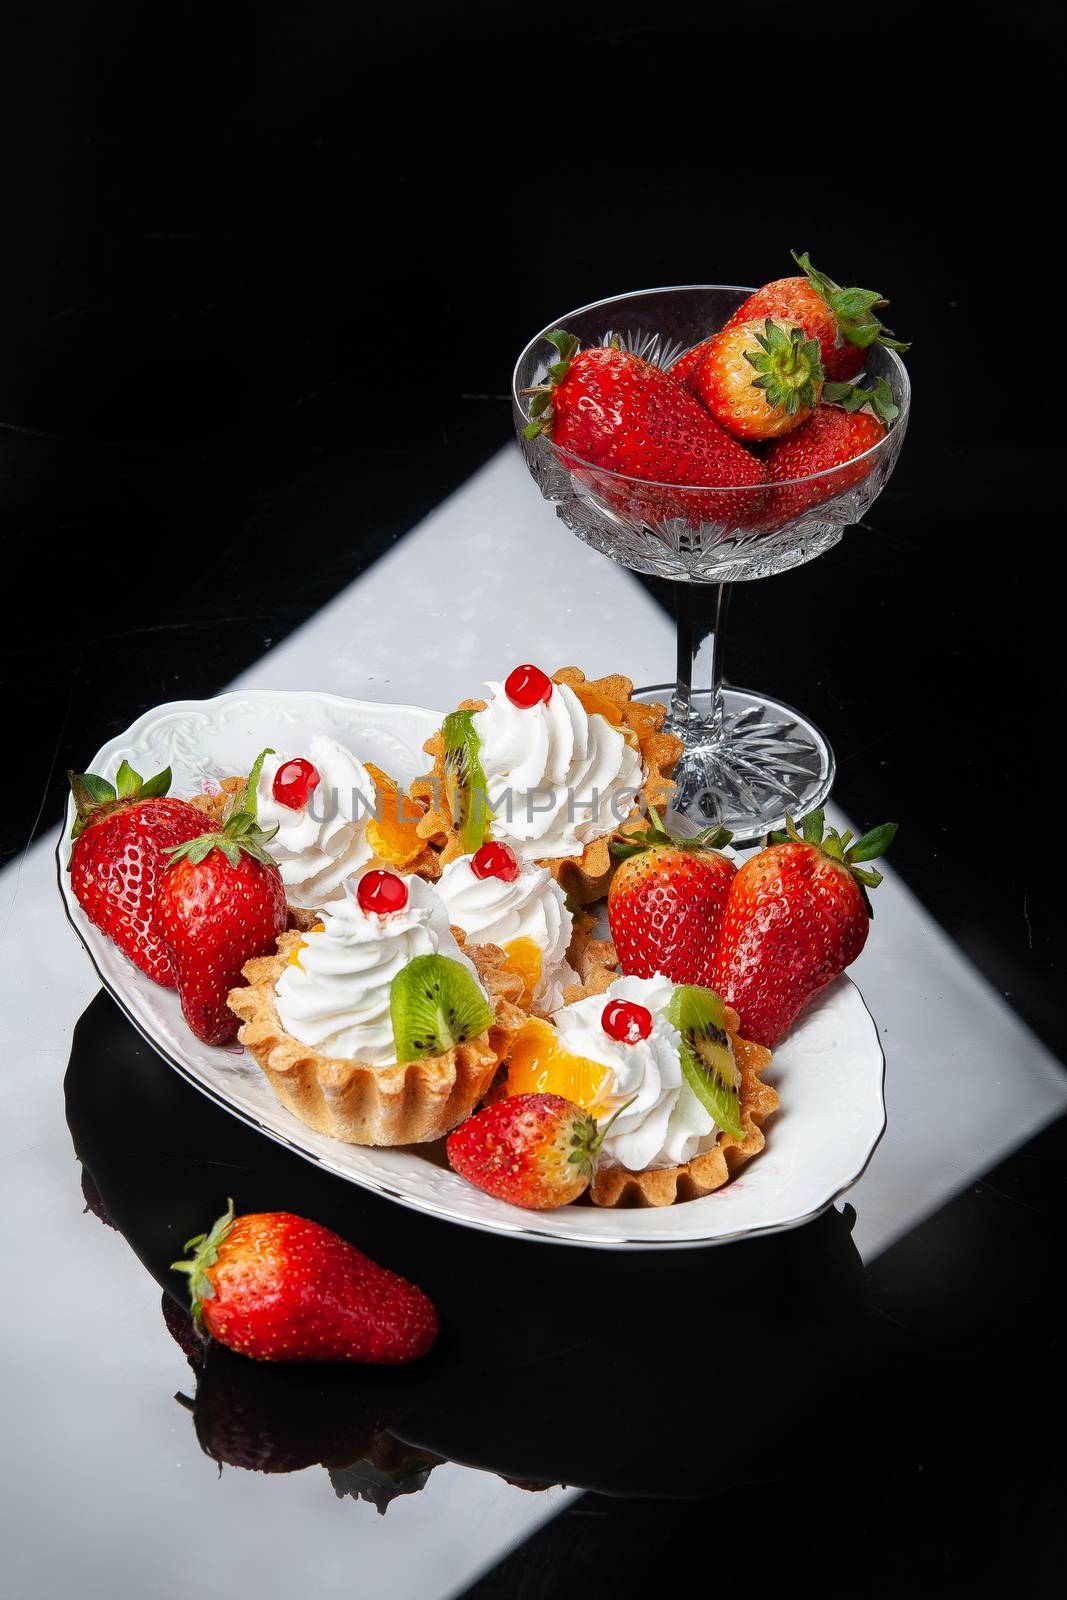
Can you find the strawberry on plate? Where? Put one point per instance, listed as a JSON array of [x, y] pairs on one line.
[[220, 903], [796, 917], [533, 1150], [123, 834], [667, 901], [833, 436], [610, 409], [277, 1287], [759, 377]]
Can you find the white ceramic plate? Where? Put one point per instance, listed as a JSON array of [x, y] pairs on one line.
[[829, 1071]]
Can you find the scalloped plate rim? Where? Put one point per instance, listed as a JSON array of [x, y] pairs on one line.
[[520, 1228]]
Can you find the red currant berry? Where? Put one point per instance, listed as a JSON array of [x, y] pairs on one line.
[[528, 686], [495, 861], [293, 782], [626, 1021], [381, 892]]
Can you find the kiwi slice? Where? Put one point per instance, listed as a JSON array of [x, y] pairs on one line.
[[707, 1055], [435, 1004], [466, 790]]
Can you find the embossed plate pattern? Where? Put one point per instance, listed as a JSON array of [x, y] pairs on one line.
[[828, 1072]]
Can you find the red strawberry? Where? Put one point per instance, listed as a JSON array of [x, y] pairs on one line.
[[611, 409], [843, 320], [122, 836], [219, 904], [279, 1288], [533, 1150], [666, 903], [797, 916], [831, 437], [759, 378], [683, 368]]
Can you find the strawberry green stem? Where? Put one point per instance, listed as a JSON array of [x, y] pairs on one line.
[[854, 309], [657, 837], [788, 367], [94, 796], [839, 847], [879, 398], [206, 1248], [542, 412]]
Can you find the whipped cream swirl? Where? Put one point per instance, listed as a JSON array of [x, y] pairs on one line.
[[557, 775], [532, 906], [666, 1125], [324, 842], [336, 997]]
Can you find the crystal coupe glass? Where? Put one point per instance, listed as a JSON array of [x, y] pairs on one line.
[[748, 759]]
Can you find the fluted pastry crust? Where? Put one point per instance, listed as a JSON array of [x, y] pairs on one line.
[[402, 1103]]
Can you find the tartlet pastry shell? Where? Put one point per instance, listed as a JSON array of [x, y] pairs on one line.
[[583, 877], [403, 1103], [615, 1186]]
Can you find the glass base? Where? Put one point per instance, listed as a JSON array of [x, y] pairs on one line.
[[762, 760]]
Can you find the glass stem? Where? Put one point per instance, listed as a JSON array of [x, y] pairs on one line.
[[701, 612]]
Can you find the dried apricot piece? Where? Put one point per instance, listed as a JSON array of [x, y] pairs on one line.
[[599, 705], [391, 832]]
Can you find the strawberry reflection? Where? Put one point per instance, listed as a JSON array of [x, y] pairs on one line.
[[262, 1418]]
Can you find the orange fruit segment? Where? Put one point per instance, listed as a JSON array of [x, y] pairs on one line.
[[294, 954], [599, 705], [524, 958], [539, 1065], [391, 834]]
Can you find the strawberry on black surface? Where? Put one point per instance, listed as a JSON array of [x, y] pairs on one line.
[[277, 1287]]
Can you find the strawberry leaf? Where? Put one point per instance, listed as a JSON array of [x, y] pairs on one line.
[[854, 309], [157, 786], [206, 1247], [127, 782], [872, 844], [89, 791], [814, 826], [879, 398], [248, 798], [565, 343]]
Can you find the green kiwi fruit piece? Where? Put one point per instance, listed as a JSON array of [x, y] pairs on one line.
[[435, 1004], [466, 791], [707, 1055]]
